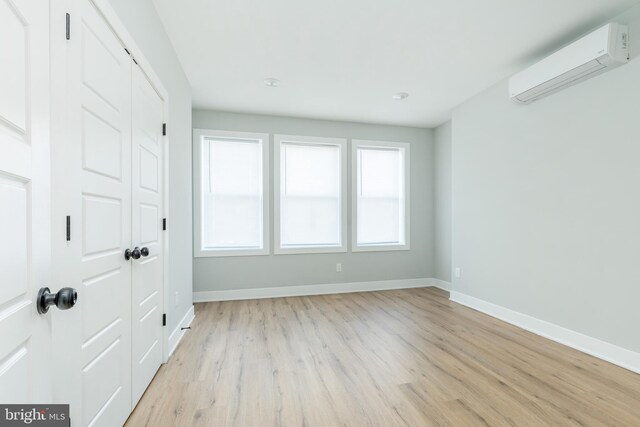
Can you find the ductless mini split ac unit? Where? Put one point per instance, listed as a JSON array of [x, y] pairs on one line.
[[602, 50]]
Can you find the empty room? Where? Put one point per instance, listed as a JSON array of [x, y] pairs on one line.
[[319, 213]]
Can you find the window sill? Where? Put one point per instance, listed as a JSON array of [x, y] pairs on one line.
[[381, 248], [309, 250], [213, 253]]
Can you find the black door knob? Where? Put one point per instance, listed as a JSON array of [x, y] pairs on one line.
[[135, 253], [144, 251], [127, 254], [64, 299]]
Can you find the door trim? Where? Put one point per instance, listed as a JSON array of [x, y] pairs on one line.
[[179, 331]]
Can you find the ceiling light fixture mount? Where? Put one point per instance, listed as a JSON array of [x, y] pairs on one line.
[[400, 96], [271, 82]]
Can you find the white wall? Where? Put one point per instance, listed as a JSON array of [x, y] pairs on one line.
[[224, 273], [546, 202], [442, 201], [144, 25]]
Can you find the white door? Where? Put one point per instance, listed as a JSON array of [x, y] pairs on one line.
[[93, 346], [24, 201], [147, 283]]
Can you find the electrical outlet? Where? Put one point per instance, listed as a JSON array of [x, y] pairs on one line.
[[458, 272], [338, 267]]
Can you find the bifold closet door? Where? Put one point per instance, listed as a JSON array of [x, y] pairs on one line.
[[93, 341], [25, 337], [147, 283]]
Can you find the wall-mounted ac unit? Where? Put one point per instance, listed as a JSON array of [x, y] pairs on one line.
[[600, 51]]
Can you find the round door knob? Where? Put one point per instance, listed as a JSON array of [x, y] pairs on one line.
[[64, 299], [127, 254], [144, 251], [135, 253]]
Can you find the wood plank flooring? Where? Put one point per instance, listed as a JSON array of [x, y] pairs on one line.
[[392, 358]]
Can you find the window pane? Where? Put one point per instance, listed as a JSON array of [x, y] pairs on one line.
[[232, 194], [380, 196], [310, 195]]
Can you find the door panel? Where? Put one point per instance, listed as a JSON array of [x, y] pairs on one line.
[[148, 114], [102, 225], [24, 199], [13, 85], [101, 382], [14, 196], [148, 165], [102, 151], [95, 343]]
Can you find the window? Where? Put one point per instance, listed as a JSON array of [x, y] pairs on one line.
[[310, 195], [380, 195], [232, 194]]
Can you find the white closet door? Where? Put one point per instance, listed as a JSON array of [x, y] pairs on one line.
[[147, 284], [24, 200], [94, 345]]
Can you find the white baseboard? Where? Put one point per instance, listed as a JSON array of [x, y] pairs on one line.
[[178, 332], [304, 290], [441, 284], [603, 350]]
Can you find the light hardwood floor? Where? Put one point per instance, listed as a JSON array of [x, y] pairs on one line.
[[392, 358]]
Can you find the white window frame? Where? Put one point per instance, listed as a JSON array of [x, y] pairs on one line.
[[359, 143], [310, 140], [198, 135]]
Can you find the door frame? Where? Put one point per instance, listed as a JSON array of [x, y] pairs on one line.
[[58, 63]]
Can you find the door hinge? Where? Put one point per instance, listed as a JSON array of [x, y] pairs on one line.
[[68, 228], [164, 319], [164, 129], [164, 224], [68, 22]]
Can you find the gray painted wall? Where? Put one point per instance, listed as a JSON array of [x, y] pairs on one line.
[[442, 201], [303, 269], [144, 25], [546, 202]]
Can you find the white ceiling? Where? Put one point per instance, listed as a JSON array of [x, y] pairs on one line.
[[343, 59]]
